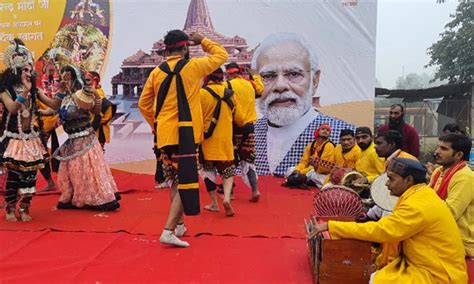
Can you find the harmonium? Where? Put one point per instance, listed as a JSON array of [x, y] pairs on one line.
[[338, 261]]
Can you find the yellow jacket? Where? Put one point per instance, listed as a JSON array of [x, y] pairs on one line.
[[346, 160], [245, 95], [192, 73], [432, 250], [106, 118], [460, 201], [370, 164], [327, 155], [219, 146]]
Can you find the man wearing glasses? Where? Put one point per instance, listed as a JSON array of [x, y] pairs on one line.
[[289, 69]]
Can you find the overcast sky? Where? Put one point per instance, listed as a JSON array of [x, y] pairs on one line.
[[405, 29]]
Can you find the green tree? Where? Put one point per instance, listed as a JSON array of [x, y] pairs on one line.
[[416, 81], [454, 52]]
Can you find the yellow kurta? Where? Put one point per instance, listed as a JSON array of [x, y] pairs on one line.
[[219, 146], [346, 160], [106, 118], [245, 95], [370, 164], [327, 155], [460, 201], [432, 250], [49, 122], [406, 155], [192, 73], [258, 84]]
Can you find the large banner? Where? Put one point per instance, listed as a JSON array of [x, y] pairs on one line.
[[330, 43]]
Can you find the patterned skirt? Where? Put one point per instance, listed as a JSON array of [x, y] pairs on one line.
[[24, 154], [85, 179]]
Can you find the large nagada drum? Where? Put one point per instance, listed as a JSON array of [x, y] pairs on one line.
[[337, 201], [381, 195]]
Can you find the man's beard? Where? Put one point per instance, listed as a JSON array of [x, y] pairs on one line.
[[283, 116], [364, 146], [395, 123], [187, 56]]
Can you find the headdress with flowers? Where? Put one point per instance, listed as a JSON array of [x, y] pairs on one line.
[[17, 56]]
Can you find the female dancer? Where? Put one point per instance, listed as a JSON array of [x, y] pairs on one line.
[[21, 150], [84, 178]]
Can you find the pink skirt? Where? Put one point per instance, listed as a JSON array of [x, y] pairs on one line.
[[26, 155], [87, 182]]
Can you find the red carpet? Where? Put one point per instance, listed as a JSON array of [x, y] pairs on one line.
[[263, 243], [65, 257], [279, 213]]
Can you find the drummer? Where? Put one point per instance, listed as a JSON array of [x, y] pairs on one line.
[[420, 240], [346, 153], [370, 165], [388, 145]]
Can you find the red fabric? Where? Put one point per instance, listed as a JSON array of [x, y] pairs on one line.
[[322, 126], [66, 257], [411, 140], [232, 70], [99, 246], [178, 44], [443, 188], [279, 213], [470, 270]]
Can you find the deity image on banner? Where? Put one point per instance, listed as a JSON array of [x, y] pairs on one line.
[[88, 11], [78, 44]]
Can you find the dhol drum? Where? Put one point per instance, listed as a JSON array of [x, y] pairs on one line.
[[338, 175], [350, 180], [381, 195]]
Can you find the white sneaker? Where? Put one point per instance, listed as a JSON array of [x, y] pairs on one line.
[[180, 230], [161, 185], [168, 238]]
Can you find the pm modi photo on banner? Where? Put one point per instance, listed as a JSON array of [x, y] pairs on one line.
[[316, 60]]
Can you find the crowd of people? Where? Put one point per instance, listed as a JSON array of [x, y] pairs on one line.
[[204, 122], [428, 235]]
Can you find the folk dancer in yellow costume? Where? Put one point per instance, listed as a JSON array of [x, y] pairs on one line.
[[420, 239], [244, 136], [101, 122], [171, 104], [220, 111]]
